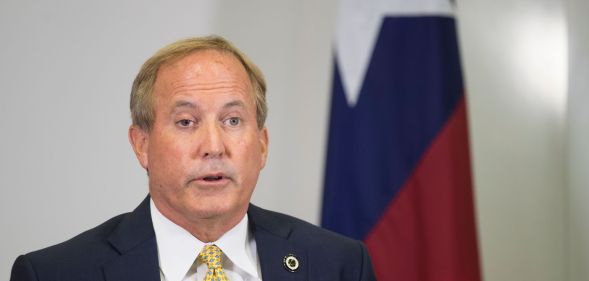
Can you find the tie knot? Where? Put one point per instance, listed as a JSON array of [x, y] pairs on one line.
[[211, 255]]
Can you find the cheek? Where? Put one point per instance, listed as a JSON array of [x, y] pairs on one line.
[[167, 156], [250, 157], [249, 146]]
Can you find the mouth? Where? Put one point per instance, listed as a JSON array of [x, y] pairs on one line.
[[213, 179]]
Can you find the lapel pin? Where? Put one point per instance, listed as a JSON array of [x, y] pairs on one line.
[[291, 263]]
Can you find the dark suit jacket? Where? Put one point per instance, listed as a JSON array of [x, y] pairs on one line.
[[124, 249]]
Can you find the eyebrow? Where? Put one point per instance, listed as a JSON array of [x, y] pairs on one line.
[[187, 104], [183, 103], [235, 103]]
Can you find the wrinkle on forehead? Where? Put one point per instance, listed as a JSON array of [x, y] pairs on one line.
[[180, 87]]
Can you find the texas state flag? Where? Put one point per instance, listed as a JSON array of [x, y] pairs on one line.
[[398, 172]]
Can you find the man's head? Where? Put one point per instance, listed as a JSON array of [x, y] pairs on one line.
[[198, 110]]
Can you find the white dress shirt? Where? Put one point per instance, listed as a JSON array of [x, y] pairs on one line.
[[178, 251]]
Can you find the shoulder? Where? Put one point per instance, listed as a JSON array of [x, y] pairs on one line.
[[340, 257], [90, 240], [82, 252], [306, 235]]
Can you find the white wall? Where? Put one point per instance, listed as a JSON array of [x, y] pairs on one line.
[[66, 70], [578, 134], [514, 54]]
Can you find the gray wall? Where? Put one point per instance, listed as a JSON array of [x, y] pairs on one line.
[[65, 75], [578, 134], [515, 58]]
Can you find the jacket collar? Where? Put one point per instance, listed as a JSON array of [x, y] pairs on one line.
[[134, 239]]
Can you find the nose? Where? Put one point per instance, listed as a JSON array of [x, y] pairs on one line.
[[212, 145]]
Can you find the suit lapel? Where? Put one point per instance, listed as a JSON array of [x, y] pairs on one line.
[[273, 245], [134, 239]]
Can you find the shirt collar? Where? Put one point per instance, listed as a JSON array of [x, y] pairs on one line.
[[178, 249], [235, 244]]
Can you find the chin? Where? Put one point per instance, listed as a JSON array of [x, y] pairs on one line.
[[209, 210]]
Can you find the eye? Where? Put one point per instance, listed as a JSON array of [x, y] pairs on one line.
[[185, 123], [232, 121]]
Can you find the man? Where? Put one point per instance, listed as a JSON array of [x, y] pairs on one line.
[[198, 108]]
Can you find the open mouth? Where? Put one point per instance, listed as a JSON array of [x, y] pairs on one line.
[[213, 178]]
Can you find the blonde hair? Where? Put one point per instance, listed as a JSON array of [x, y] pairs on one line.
[[142, 111]]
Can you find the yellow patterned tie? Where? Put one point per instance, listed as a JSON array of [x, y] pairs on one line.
[[211, 255]]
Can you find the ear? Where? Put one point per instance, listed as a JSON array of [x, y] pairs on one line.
[[263, 137], [139, 140]]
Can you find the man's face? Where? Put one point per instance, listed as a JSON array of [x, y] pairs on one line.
[[205, 150]]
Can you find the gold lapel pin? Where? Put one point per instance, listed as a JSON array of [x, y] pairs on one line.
[[291, 263]]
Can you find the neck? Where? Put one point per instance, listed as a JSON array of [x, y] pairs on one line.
[[209, 230], [206, 228]]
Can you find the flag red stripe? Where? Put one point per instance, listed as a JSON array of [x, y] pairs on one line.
[[428, 231]]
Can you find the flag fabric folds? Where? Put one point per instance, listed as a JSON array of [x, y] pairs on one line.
[[398, 170]]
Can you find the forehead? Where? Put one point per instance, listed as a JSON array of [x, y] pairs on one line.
[[202, 71]]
